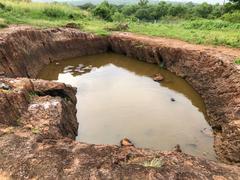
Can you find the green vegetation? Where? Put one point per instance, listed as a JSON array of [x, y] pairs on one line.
[[237, 61], [35, 130], [196, 23], [156, 163], [31, 95]]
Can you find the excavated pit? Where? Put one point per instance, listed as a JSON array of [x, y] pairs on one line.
[[117, 97], [38, 118]]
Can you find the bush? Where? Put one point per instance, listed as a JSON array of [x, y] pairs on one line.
[[118, 27], [237, 61], [104, 11], [2, 6], [2, 23], [232, 17], [54, 12], [204, 24], [118, 17]]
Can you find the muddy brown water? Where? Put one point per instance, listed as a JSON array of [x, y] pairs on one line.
[[117, 98]]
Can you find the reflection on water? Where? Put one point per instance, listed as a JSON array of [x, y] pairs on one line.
[[117, 98]]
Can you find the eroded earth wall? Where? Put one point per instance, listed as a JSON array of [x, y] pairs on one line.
[[25, 50], [210, 71], [38, 122]]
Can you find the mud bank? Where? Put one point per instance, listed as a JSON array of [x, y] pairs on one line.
[[38, 118], [210, 71], [24, 50]]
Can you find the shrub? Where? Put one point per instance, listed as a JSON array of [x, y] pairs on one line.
[[203, 24], [104, 11], [118, 17], [118, 27], [2, 6], [54, 12], [2, 23], [237, 61], [232, 17]]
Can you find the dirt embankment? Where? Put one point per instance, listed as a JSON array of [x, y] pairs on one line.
[[24, 50], [38, 118], [211, 72]]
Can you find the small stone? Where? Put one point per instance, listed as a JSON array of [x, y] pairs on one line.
[[158, 77], [4, 86], [68, 67], [173, 100], [207, 131], [2, 73], [177, 148], [57, 63], [80, 66], [215, 177], [87, 68], [126, 142], [72, 25], [192, 145]]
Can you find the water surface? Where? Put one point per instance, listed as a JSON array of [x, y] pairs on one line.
[[117, 98]]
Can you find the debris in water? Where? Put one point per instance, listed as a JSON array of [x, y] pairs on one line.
[[192, 145], [80, 66], [2, 73], [207, 132], [126, 142], [68, 67], [173, 100], [4, 86], [88, 68], [158, 77], [177, 148]]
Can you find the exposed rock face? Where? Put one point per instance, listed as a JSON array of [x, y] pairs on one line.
[[25, 50], [33, 104], [211, 71], [38, 121], [66, 159]]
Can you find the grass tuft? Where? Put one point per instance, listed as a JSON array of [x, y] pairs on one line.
[[35, 131], [156, 163], [237, 61]]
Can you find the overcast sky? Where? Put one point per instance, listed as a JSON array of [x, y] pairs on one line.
[[196, 1]]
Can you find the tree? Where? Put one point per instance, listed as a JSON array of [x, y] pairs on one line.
[[143, 3], [162, 9], [129, 10], [104, 11], [118, 17], [236, 3], [142, 14], [28, 1], [87, 6], [177, 10], [203, 10]]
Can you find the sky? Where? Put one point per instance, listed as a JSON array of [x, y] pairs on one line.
[[124, 1]]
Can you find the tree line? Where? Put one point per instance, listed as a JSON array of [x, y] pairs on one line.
[[145, 11]]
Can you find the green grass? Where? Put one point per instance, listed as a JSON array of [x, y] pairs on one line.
[[35, 130], [213, 32], [228, 37], [237, 61], [2, 23]]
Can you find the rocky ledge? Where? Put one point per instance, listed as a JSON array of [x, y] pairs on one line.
[[38, 122]]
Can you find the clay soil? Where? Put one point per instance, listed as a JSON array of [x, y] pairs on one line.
[[38, 122]]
